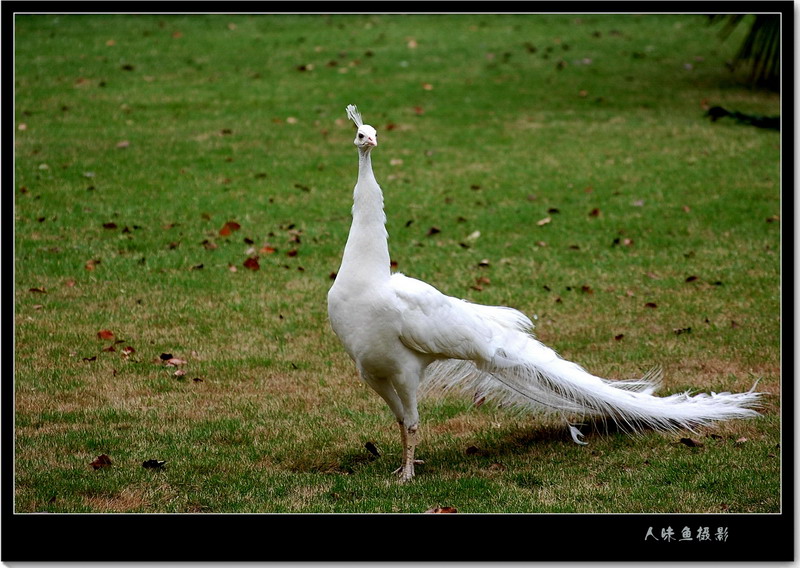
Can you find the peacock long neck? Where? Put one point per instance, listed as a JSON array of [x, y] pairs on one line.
[[366, 254]]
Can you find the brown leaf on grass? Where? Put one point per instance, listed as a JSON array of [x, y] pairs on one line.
[[91, 264], [174, 362], [179, 373], [267, 249], [292, 252], [101, 461], [38, 290], [682, 330], [619, 336], [691, 278], [110, 225], [228, 228], [105, 334], [433, 231], [89, 359], [252, 263], [437, 510], [127, 351], [594, 212], [692, 443], [123, 144], [543, 222], [209, 245], [586, 289], [651, 305]]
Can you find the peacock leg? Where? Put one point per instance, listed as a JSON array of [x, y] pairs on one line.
[[408, 437]]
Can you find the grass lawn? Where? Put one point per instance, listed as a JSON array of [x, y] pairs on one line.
[[182, 194]]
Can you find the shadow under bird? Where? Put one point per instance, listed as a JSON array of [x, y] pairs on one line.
[[405, 335]]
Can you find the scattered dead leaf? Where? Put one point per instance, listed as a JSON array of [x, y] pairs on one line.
[[251, 263], [543, 222], [229, 228], [437, 510], [105, 334], [691, 442], [101, 461]]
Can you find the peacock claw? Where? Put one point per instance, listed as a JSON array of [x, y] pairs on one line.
[[405, 473]]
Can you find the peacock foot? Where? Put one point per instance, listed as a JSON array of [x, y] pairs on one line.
[[405, 472]]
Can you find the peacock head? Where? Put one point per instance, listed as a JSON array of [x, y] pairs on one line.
[[366, 136]]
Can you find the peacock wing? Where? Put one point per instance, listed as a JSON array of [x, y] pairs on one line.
[[443, 326]]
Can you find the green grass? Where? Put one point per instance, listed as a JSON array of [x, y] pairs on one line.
[[487, 123]]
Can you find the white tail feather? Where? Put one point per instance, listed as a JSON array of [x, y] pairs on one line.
[[534, 377]]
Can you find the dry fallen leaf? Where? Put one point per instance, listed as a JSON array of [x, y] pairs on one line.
[[228, 228], [692, 443], [543, 222], [101, 461], [252, 263], [105, 334], [442, 510]]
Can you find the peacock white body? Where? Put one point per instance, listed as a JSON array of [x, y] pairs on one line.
[[404, 336]]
